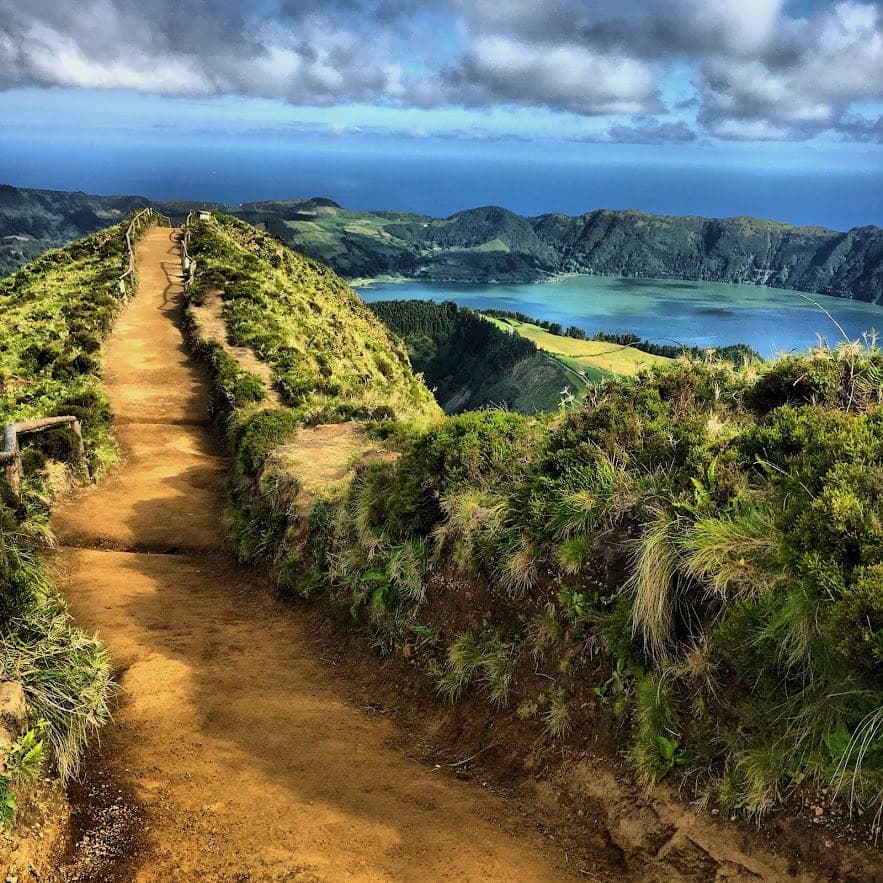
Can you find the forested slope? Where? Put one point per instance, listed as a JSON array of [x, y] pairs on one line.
[[32, 221], [469, 363]]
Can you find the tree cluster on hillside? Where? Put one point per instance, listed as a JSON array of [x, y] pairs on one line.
[[469, 362], [737, 353]]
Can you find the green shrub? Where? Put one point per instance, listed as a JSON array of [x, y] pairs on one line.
[[233, 387], [655, 750], [65, 674], [711, 534], [260, 434]]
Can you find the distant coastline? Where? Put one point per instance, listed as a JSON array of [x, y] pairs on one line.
[[491, 245]]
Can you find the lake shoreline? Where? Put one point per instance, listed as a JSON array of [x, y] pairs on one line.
[[692, 313], [367, 282]]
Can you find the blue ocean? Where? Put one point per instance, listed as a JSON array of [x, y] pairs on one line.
[[435, 181]]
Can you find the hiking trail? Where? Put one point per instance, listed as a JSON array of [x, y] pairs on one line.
[[243, 757]]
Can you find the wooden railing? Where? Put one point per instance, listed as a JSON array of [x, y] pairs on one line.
[[127, 281], [10, 455], [187, 262]]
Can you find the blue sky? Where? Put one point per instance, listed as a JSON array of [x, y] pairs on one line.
[[760, 84]]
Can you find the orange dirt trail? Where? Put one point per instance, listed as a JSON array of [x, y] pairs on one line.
[[247, 760]]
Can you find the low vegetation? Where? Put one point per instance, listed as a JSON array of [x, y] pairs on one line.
[[32, 221], [738, 353], [591, 358], [693, 555], [54, 315]]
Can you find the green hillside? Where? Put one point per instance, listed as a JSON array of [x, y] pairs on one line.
[[595, 359], [686, 563], [54, 315], [690, 558], [470, 363], [493, 244], [32, 221], [331, 358]]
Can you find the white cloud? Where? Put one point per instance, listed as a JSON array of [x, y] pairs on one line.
[[758, 69], [801, 85], [566, 77]]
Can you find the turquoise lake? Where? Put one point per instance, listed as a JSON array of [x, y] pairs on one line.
[[772, 320]]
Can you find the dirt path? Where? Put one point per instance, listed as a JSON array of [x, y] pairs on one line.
[[247, 761]]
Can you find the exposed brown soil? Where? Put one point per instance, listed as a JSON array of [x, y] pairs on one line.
[[322, 457], [241, 754]]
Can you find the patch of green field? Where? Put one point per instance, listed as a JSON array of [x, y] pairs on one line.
[[493, 245], [588, 356]]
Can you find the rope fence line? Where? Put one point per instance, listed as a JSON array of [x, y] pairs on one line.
[[187, 262], [10, 453]]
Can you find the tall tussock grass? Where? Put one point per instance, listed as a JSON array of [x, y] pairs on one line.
[[735, 524], [711, 534], [66, 675]]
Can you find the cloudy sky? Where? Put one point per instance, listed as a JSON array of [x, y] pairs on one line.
[[767, 80]]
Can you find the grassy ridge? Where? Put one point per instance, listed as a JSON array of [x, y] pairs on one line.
[[332, 359], [719, 536], [32, 221], [54, 315], [694, 555]]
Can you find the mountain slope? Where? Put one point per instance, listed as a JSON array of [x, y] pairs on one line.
[[493, 244], [32, 221], [331, 358], [470, 363], [691, 561]]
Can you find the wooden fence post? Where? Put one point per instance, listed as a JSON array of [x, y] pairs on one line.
[[10, 456]]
